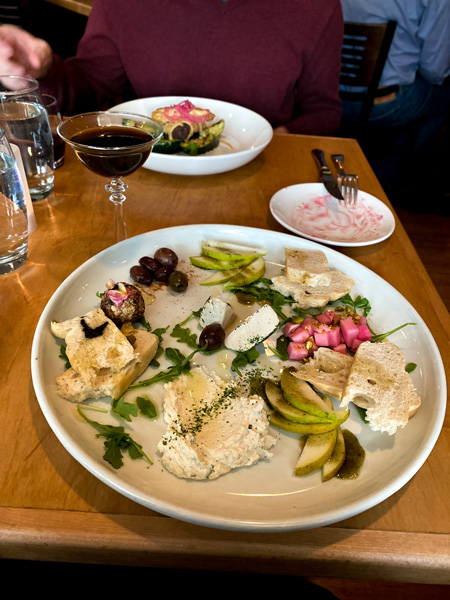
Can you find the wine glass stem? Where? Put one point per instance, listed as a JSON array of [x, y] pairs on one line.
[[117, 188]]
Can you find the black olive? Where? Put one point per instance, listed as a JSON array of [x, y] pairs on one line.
[[141, 275], [212, 336], [150, 263], [166, 257], [178, 281], [162, 274]]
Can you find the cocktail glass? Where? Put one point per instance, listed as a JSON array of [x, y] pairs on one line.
[[114, 145]]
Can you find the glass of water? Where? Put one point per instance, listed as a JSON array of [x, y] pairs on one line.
[[13, 211], [26, 123]]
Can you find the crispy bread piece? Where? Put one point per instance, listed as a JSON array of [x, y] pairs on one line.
[[105, 365], [327, 371], [308, 267], [379, 383], [314, 297]]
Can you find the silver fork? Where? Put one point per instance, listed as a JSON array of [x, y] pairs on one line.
[[348, 184]]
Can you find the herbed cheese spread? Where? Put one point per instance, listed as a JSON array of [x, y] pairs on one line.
[[212, 427]]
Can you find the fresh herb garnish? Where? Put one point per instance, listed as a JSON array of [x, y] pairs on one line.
[[261, 289], [410, 367], [281, 348], [243, 359], [146, 407], [125, 410], [63, 355], [194, 313], [184, 335], [116, 442], [358, 302], [382, 336], [362, 413], [181, 365]]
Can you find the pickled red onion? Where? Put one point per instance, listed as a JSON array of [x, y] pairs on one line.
[[117, 297], [182, 112]]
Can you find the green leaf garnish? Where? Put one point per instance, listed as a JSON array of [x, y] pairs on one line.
[[243, 359], [116, 443], [63, 355], [182, 364], [125, 410], [382, 336], [146, 407]]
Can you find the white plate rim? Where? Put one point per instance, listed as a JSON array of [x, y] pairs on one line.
[[228, 523], [277, 200]]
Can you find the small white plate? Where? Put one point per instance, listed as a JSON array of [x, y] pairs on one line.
[[307, 209], [246, 134]]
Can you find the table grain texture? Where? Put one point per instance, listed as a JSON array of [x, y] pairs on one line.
[[52, 509]]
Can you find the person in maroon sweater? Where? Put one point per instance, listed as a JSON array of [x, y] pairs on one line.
[[280, 59]]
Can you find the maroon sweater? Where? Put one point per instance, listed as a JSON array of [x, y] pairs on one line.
[[278, 58]]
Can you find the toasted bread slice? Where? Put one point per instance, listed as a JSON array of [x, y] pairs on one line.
[[308, 267], [314, 297], [106, 364], [379, 383], [327, 371]]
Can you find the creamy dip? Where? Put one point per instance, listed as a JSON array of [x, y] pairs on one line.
[[211, 427], [323, 217]]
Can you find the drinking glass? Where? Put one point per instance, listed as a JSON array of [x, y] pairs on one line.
[[112, 144], [13, 211], [54, 117], [25, 120]]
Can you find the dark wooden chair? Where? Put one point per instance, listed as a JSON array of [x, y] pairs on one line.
[[364, 53]]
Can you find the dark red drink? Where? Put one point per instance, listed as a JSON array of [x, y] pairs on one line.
[[113, 151]]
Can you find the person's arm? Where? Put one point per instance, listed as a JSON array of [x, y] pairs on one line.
[[318, 102], [94, 77], [434, 31]]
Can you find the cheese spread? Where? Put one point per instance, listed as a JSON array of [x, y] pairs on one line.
[[212, 427]]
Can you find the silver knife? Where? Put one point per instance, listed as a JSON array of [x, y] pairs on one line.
[[327, 178]]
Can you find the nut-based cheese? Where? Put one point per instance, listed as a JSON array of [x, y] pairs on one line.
[[211, 427]]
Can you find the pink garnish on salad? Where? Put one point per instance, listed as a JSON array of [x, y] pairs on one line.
[[118, 297], [186, 111]]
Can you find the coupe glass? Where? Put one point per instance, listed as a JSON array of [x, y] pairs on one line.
[[112, 144]]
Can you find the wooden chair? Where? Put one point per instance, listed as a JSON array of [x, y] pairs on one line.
[[364, 53]]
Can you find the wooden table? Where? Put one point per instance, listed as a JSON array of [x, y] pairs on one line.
[[53, 509]]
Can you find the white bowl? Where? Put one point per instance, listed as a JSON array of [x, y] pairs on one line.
[[246, 134]]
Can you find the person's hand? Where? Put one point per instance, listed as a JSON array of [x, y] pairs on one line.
[[23, 54]]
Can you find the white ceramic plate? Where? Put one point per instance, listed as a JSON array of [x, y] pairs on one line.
[[246, 134], [266, 496], [307, 209]]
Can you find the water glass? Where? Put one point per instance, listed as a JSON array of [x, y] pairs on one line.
[[25, 120], [54, 116], [13, 211]]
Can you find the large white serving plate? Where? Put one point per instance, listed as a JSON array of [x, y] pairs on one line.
[[246, 134], [266, 496]]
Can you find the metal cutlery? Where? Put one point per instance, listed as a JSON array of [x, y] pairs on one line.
[[327, 178], [348, 184]]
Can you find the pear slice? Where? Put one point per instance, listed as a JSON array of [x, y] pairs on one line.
[[336, 460], [230, 252], [206, 262], [300, 394], [317, 450], [235, 248], [248, 275], [288, 411], [219, 277], [280, 422]]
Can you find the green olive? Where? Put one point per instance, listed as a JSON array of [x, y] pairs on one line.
[[178, 281]]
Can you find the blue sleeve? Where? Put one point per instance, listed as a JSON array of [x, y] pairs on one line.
[[434, 35]]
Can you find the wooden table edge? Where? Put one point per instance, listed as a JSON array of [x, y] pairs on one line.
[[155, 541]]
